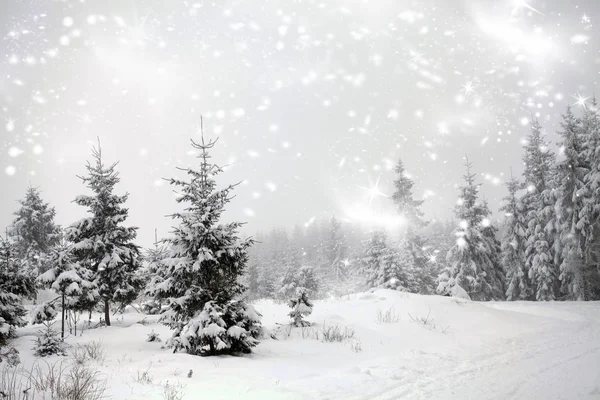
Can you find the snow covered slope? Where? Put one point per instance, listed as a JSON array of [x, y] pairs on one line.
[[439, 348]]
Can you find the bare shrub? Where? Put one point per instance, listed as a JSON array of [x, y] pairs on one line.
[[14, 385], [94, 351], [56, 381], [334, 333], [173, 392], [308, 332], [356, 346], [80, 383], [428, 321], [144, 377], [388, 317]]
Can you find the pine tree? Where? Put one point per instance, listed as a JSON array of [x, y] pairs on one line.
[[518, 286], [307, 280], [33, 231], [154, 272], [12, 286], [101, 243], [383, 266], [71, 281], [473, 262], [291, 268], [334, 250], [589, 215], [48, 342], [206, 259], [402, 197], [540, 217], [410, 210], [571, 174], [301, 307]]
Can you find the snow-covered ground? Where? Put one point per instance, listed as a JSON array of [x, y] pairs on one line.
[[508, 350]]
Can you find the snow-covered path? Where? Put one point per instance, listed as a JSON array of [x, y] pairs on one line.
[[469, 351]]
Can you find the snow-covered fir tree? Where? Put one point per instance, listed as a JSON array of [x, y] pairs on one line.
[[589, 216], [518, 286], [154, 272], [404, 201], [12, 285], [206, 260], [301, 307], [49, 342], [307, 279], [383, 266], [540, 217], [73, 283], [473, 262], [335, 251], [571, 172], [33, 231], [410, 209], [289, 281], [101, 243], [14, 278]]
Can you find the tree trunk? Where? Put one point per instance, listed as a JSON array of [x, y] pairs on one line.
[[107, 312], [62, 326]]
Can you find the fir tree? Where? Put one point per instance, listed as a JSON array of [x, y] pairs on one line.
[[48, 342], [12, 285], [518, 286], [473, 262], [589, 215], [571, 173], [101, 243], [381, 265], [71, 281], [291, 268], [334, 251], [301, 307], [410, 210], [540, 217], [206, 260], [33, 231], [307, 280], [402, 197]]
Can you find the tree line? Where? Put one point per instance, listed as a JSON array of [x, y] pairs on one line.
[[201, 277]]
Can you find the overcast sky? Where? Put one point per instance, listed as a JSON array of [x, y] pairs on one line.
[[313, 101]]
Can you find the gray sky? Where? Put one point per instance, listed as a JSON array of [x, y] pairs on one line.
[[313, 101]]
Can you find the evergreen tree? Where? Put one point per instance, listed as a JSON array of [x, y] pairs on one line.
[[289, 282], [48, 342], [101, 243], [571, 174], [33, 231], [540, 217], [12, 286], [335, 252], [402, 197], [589, 216], [206, 260], [518, 286], [71, 281], [473, 262], [307, 280], [301, 307], [381, 265], [410, 210]]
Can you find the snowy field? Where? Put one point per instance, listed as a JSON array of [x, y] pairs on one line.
[[465, 350]]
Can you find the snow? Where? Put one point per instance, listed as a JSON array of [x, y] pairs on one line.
[[507, 350]]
